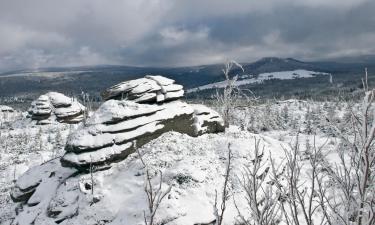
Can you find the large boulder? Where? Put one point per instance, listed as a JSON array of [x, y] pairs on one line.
[[207, 120], [150, 89], [123, 123], [56, 106], [6, 109], [109, 134], [36, 189]]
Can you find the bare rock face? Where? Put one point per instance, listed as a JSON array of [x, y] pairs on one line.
[[150, 89], [56, 106]]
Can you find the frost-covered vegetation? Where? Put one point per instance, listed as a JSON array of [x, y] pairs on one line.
[[278, 162]]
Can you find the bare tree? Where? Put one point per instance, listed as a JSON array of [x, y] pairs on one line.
[[227, 99], [155, 194]]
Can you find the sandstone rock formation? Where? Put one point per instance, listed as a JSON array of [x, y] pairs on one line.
[[56, 106], [149, 89], [109, 134], [206, 120], [56, 191], [6, 109]]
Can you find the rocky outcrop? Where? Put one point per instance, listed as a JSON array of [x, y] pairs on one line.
[[109, 134], [6, 109], [207, 120], [119, 126], [37, 188], [55, 106], [150, 89], [60, 190]]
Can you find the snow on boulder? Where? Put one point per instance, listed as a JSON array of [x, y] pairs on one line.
[[56, 106], [207, 120], [110, 132], [6, 109], [150, 89], [36, 188]]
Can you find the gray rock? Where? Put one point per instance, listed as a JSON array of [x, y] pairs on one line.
[[55, 106], [150, 89], [207, 120], [6, 109], [110, 132]]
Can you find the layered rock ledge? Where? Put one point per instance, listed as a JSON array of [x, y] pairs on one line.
[[150, 89], [55, 106], [109, 135]]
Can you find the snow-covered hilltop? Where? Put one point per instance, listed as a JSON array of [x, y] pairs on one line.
[[249, 79], [109, 136], [103, 169]]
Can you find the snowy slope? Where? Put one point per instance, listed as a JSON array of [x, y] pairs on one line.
[[194, 167], [244, 80]]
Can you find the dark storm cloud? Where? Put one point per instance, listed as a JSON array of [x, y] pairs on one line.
[[45, 33]]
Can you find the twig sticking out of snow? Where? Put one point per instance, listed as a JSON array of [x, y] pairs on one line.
[[155, 195], [225, 192]]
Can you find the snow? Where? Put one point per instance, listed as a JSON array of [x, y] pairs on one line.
[[204, 115], [193, 166], [147, 89], [5, 108], [174, 94], [51, 105], [171, 87], [113, 110], [100, 155], [283, 75], [162, 81], [59, 99], [102, 134]]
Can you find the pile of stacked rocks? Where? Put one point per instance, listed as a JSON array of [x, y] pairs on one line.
[[118, 126], [149, 89], [55, 106], [6, 109]]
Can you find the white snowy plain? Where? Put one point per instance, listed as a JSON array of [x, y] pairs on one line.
[[244, 80]]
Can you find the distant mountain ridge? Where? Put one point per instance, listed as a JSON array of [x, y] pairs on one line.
[[93, 79]]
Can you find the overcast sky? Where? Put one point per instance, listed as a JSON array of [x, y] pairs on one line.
[[43, 33]]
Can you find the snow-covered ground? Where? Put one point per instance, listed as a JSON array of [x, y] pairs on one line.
[[193, 166], [22, 146], [248, 79]]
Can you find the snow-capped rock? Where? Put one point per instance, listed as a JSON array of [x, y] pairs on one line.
[[56, 106], [150, 89], [5, 109], [207, 120], [110, 132], [60, 189]]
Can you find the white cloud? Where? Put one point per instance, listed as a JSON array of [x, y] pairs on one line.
[[169, 32], [172, 36]]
